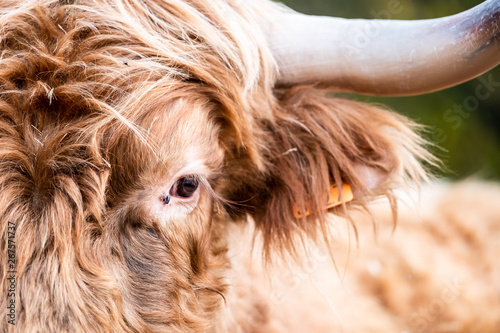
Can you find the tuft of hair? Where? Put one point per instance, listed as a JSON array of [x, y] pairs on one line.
[[313, 141]]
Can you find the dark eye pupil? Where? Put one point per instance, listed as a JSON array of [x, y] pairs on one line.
[[186, 187]]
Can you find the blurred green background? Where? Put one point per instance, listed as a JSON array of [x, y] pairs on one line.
[[470, 145]]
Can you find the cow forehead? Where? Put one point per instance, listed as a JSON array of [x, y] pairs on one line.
[[180, 134], [92, 81]]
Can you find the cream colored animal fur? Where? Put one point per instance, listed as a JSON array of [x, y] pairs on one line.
[[437, 271]]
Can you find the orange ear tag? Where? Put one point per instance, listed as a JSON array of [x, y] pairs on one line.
[[335, 198]]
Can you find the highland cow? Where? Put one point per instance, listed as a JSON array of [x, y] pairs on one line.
[[148, 147]]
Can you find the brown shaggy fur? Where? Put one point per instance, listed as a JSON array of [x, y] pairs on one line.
[[104, 104]]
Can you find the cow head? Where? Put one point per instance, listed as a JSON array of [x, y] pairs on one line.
[[134, 132]]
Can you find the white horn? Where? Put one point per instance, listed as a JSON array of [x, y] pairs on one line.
[[386, 57]]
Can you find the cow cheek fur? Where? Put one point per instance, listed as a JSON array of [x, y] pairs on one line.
[[173, 280]]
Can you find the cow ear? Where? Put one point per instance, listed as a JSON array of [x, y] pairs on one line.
[[312, 145]]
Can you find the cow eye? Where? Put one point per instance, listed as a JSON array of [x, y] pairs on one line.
[[184, 187]]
